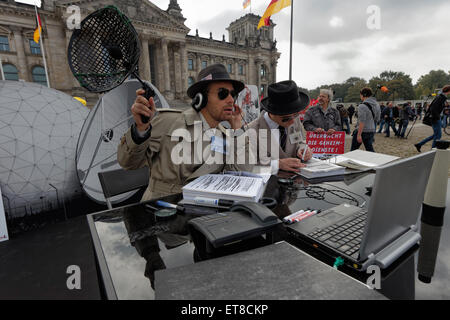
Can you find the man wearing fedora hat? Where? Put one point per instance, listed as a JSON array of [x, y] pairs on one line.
[[282, 123], [154, 144]]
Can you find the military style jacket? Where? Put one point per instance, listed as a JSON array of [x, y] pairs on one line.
[[177, 151], [316, 118]]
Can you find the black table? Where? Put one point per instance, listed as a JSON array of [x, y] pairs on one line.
[[131, 244]]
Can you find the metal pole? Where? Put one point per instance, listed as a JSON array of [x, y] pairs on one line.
[[41, 40], [1, 69], [57, 199], [292, 26]]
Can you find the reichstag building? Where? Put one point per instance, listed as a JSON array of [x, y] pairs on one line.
[[170, 57]]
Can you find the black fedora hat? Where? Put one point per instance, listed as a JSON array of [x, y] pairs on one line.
[[284, 98], [213, 73]]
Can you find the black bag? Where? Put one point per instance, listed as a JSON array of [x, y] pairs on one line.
[[427, 118]]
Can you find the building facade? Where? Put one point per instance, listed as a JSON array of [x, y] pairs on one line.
[[170, 58]]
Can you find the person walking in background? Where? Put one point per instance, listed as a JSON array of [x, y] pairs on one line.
[[396, 113], [405, 114], [344, 118], [351, 112], [437, 106], [389, 119], [419, 110], [382, 120], [368, 115]]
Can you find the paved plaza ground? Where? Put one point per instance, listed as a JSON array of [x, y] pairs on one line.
[[403, 148]]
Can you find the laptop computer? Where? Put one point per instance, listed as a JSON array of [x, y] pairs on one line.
[[383, 232]]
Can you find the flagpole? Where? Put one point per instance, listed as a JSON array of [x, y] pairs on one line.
[[1, 69], [41, 40], [292, 26]]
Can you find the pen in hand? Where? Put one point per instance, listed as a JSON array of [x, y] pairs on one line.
[[303, 155]]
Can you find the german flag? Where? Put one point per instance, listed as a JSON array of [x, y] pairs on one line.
[[37, 32], [274, 7]]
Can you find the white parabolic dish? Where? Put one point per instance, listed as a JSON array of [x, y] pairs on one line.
[[107, 122]]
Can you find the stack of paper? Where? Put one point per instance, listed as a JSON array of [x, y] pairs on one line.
[[226, 187], [361, 160], [317, 168]]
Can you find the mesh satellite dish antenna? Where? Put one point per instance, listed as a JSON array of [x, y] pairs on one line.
[[105, 51], [97, 144]]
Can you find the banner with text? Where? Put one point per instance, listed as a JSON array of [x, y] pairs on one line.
[[3, 228], [322, 143]]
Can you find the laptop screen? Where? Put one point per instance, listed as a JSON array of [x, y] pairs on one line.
[[395, 204]]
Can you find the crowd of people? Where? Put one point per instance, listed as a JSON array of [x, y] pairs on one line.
[[397, 117]]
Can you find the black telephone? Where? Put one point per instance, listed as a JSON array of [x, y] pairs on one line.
[[258, 211], [244, 220]]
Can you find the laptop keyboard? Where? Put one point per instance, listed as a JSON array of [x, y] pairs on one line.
[[344, 236]]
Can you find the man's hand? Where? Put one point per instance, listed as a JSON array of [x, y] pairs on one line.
[[331, 131], [359, 138], [236, 118], [144, 107], [319, 130], [308, 154], [291, 164]]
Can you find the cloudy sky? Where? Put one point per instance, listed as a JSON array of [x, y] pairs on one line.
[[332, 40]]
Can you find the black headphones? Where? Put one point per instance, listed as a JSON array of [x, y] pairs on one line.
[[199, 101]]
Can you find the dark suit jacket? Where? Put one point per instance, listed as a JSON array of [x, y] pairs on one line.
[[291, 148]]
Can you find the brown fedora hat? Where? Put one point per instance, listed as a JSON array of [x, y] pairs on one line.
[[284, 98], [213, 73]]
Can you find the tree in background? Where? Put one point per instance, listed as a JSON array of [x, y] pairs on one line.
[[353, 91], [399, 84], [428, 83]]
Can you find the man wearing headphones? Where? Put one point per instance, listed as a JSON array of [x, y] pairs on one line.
[[156, 144]]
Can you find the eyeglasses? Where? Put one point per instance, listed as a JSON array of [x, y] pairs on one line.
[[287, 119], [223, 93]]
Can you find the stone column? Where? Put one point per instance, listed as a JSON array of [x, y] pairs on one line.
[[144, 63], [274, 71], [184, 67], [20, 50], [177, 70], [199, 62], [166, 70], [251, 70], [258, 70], [158, 65], [74, 82]]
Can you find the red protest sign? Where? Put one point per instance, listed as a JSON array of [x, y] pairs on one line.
[[322, 143]]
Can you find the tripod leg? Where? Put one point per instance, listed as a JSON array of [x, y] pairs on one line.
[[411, 128]]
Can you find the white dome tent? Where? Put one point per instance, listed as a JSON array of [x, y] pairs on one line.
[[39, 130]]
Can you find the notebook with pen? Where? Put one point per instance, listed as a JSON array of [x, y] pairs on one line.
[[383, 232]]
